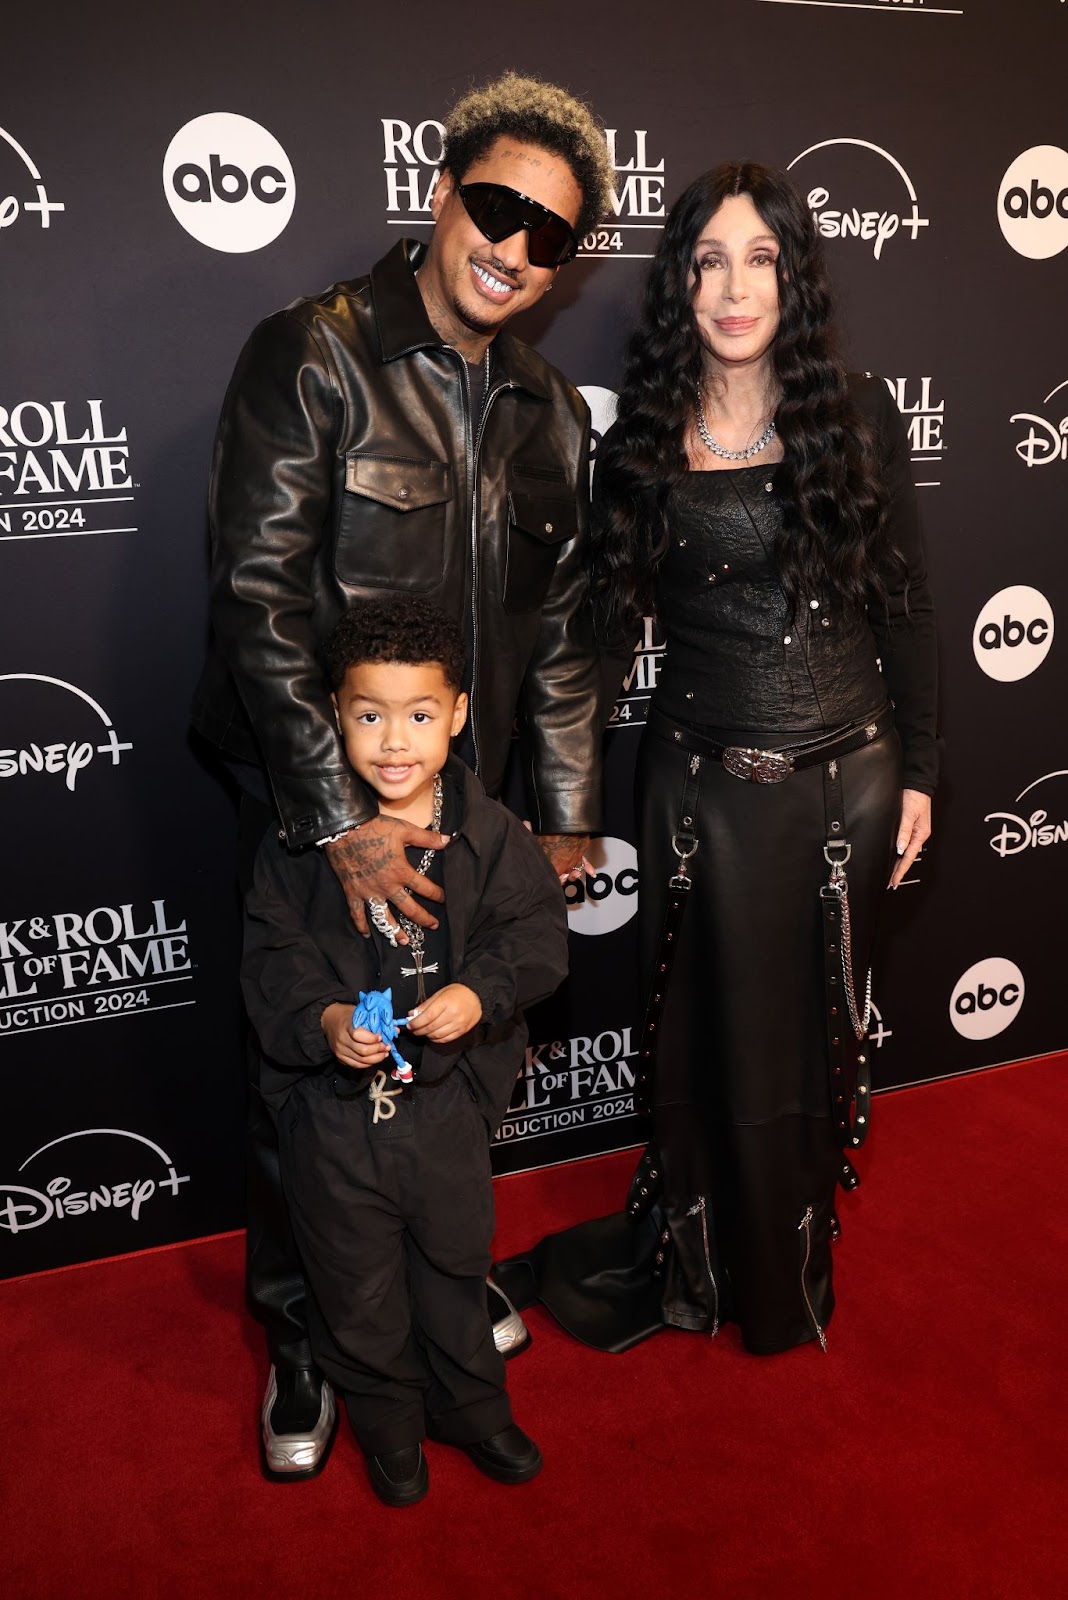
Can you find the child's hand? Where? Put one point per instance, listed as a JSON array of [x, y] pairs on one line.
[[447, 1015], [355, 1047]]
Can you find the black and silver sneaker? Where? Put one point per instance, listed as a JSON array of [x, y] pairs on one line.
[[510, 1333], [298, 1424]]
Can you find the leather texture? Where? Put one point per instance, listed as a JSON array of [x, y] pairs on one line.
[[741, 1117], [346, 465], [401, 1477], [510, 1456], [737, 659]]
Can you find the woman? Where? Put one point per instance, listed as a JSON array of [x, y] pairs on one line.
[[763, 505]]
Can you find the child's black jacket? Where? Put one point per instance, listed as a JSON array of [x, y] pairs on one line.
[[507, 936]]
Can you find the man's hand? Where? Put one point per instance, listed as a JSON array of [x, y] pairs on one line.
[[566, 853], [355, 1047], [369, 862], [913, 831], [447, 1015]]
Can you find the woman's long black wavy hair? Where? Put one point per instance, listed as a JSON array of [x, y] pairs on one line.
[[835, 532]]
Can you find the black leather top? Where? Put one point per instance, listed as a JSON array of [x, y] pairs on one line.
[[735, 660]]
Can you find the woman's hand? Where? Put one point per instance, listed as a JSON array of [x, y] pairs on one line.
[[913, 831], [447, 1015], [354, 1047]]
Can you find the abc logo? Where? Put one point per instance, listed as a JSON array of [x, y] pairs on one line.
[[1033, 202], [1013, 633], [602, 404], [607, 897], [987, 998], [229, 182]]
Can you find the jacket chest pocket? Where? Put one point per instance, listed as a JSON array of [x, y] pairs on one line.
[[391, 530], [541, 518]]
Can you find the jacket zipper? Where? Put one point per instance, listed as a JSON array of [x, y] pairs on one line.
[[805, 1225], [699, 1209], [472, 446]]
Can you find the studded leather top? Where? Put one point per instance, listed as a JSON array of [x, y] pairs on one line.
[[735, 658]]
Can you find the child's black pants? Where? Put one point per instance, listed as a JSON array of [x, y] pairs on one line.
[[394, 1221]]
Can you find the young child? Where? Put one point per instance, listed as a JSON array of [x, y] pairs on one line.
[[388, 1184]]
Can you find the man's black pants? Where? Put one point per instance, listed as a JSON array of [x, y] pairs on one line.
[[274, 1277], [394, 1220]]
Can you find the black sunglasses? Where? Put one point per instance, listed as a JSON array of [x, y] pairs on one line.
[[498, 212]]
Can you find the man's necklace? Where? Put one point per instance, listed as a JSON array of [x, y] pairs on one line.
[[416, 935], [717, 449]]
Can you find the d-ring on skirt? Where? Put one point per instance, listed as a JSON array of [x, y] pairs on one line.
[[740, 1098]]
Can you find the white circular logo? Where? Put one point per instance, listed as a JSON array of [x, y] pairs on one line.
[[602, 404], [1033, 202], [1013, 633], [987, 998], [229, 182], [607, 897]]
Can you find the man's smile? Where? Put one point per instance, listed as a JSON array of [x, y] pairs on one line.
[[493, 287]]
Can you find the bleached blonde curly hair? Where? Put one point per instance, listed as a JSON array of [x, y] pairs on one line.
[[538, 113]]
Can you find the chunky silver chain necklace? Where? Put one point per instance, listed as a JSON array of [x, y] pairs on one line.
[[416, 937], [717, 449]]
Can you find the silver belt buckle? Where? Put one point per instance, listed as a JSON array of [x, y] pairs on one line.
[[757, 766]]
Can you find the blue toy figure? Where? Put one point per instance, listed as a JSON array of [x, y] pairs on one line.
[[375, 1012]]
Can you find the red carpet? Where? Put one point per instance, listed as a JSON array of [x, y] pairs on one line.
[[921, 1457]]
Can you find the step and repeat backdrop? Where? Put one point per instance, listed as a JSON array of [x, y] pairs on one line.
[[163, 186]]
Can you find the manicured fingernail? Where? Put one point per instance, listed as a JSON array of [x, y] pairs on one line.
[[900, 849]]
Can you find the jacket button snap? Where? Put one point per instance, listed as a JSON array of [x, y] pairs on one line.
[[548, 527], [403, 493]]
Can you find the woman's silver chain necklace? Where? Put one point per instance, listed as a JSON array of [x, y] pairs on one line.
[[717, 449], [379, 914]]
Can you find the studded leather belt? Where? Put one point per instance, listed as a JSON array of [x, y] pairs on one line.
[[773, 766]]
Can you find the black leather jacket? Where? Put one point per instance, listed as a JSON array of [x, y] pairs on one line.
[[346, 465]]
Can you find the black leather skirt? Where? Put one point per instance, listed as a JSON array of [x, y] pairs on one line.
[[741, 1109], [729, 1215]]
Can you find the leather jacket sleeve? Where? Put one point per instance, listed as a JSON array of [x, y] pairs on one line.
[[903, 621], [564, 704], [269, 508]]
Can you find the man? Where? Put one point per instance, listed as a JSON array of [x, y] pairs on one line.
[[390, 435]]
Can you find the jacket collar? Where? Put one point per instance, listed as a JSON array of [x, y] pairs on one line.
[[404, 327]]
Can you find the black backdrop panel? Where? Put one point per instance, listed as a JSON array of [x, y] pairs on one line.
[[159, 193]]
